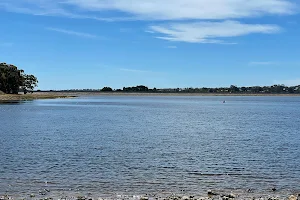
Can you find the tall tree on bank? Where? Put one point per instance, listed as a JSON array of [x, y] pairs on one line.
[[13, 79]]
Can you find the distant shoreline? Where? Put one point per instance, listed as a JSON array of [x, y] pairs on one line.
[[57, 95], [154, 94]]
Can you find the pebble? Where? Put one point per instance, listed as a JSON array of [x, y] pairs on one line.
[[210, 192], [185, 198], [81, 198], [32, 195], [47, 190], [203, 198], [42, 192], [228, 196], [273, 198], [292, 197]]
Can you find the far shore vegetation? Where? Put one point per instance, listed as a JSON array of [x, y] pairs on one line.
[[232, 90], [15, 85]]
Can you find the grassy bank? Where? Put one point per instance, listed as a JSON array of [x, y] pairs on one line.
[[24, 97]]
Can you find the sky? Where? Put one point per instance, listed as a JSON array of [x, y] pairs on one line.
[[71, 44]]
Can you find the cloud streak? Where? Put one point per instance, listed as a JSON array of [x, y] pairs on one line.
[[75, 33], [213, 20], [134, 70], [172, 47], [189, 9], [209, 32], [152, 9], [263, 63]]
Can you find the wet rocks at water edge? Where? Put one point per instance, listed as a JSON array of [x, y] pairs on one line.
[[292, 197], [213, 196], [211, 193], [185, 198], [144, 198], [228, 196], [81, 198], [5, 197]]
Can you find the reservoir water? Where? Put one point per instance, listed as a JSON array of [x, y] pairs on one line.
[[108, 145]]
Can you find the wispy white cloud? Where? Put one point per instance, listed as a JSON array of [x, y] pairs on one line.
[[263, 63], [134, 70], [215, 19], [172, 47], [189, 9], [75, 33], [153, 9], [209, 32]]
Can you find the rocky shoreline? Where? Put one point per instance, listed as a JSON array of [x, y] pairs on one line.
[[46, 194]]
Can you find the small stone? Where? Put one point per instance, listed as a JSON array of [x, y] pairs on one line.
[[273, 198], [185, 198], [210, 192], [41, 192], [231, 196], [144, 198], [81, 198], [32, 195], [250, 190], [292, 197], [273, 189]]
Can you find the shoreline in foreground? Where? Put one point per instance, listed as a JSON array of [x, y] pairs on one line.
[[29, 97], [57, 95], [47, 194]]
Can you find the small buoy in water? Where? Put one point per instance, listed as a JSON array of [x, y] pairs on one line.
[[273, 189]]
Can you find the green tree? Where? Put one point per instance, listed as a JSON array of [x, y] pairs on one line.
[[28, 83], [107, 89], [12, 79]]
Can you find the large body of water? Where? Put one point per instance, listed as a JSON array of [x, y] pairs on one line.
[[136, 145]]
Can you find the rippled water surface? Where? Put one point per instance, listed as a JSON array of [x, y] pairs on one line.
[[133, 145]]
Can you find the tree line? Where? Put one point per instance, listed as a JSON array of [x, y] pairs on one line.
[[274, 89], [13, 80]]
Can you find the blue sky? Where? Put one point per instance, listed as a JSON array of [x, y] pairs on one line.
[[159, 43]]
